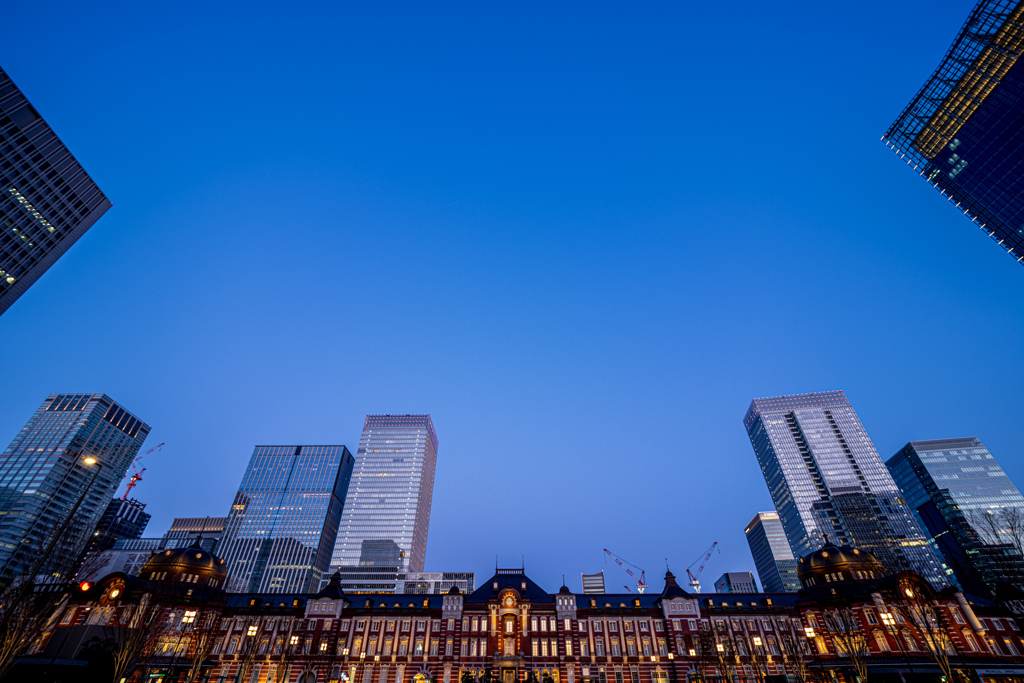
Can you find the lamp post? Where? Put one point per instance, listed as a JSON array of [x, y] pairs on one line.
[[27, 585], [758, 656], [809, 632], [90, 461], [890, 623]]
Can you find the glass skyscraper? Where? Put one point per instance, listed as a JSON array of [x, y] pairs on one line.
[[284, 519], [384, 527], [969, 507], [47, 200], [964, 131], [826, 478], [776, 566], [74, 450]]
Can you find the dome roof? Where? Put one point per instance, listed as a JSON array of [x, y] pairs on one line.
[[838, 563], [191, 560]]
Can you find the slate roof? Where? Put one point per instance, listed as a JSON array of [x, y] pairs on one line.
[[509, 578]]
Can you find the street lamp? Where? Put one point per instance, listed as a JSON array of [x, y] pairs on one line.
[[30, 579], [813, 644], [890, 623], [757, 655], [89, 461]]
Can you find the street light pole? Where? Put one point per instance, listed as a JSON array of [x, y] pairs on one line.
[[758, 657], [809, 632], [890, 623], [27, 585]]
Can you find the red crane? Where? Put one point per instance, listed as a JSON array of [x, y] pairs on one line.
[[695, 578], [136, 472], [641, 584]]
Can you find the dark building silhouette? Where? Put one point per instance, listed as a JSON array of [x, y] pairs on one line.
[[121, 519], [47, 200], [964, 131]]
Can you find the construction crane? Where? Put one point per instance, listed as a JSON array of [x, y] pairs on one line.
[[136, 472], [695, 578], [641, 583]]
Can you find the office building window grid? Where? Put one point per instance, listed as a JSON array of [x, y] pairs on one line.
[[42, 473], [827, 479], [776, 566], [387, 516], [966, 140], [47, 200], [283, 522]]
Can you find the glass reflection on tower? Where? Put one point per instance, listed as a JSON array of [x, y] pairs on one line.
[[284, 520], [384, 527], [826, 479]]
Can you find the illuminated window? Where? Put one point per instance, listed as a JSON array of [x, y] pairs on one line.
[[190, 617], [251, 631]]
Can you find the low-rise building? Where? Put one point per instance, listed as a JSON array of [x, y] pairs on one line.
[[851, 619]]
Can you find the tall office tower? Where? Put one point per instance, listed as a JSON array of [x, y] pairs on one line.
[[773, 557], [970, 508], [47, 200], [736, 582], [284, 519], [435, 583], [826, 479], [384, 527], [206, 530], [57, 478], [121, 519], [963, 130], [593, 583]]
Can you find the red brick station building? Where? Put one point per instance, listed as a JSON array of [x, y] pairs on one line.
[[852, 620]]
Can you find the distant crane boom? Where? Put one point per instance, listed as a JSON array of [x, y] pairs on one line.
[[136, 472], [641, 583], [695, 577]]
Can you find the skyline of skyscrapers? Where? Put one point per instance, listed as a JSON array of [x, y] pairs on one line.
[[773, 558], [821, 428], [69, 458], [826, 479], [384, 526], [47, 200], [963, 129], [284, 519], [968, 506]]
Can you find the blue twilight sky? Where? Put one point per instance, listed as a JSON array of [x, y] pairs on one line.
[[582, 236]]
